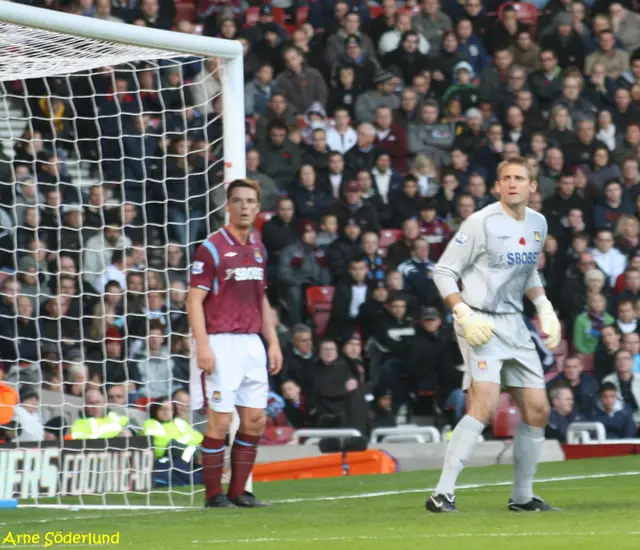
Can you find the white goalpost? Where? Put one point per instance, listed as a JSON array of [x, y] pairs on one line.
[[116, 142]]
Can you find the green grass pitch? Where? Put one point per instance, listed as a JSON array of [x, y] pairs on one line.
[[600, 498]]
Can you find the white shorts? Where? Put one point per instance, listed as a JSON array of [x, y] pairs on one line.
[[239, 379], [509, 358]]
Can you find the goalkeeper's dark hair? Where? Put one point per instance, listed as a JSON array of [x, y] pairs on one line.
[[243, 183]]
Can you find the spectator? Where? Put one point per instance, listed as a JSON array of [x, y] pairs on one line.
[[343, 249], [400, 251], [278, 109], [294, 409], [616, 417], [417, 272], [563, 413], [257, 93], [301, 85], [588, 325], [269, 193], [626, 320], [99, 249], [370, 100], [631, 343], [96, 423], [626, 25], [381, 410], [310, 201], [342, 136], [278, 233], [604, 358], [353, 207], [155, 364], [626, 382], [350, 293], [280, 157], [432, 23], [608, 258], [350, 29], [614, 60], [583, 386], [375, 262], [27, 416], [302, 264]]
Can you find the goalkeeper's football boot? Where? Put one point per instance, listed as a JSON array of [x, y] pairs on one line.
[[536, 504], [219, 501], [439, 503], [248, 500]]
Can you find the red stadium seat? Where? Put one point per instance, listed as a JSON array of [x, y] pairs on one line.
[[388, 237], [375, 11], [525, 12], [506, 421], [279, 16], [185, 11], [587, 362], [277, 435], [261, 219], [319, 298], [251, 16], [143, 402], [302, 14]]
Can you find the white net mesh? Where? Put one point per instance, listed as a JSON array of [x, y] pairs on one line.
[[110, 175]]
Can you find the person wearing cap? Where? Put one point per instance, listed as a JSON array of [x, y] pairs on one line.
[[462, 88], [472, 135], [342, 249], [363, 69], [265, 18], [435, 341], [302, 85], [350, 293], [351, 206], [370, 100], [381, 408], [302, 264], [567, 44], [337, 42]]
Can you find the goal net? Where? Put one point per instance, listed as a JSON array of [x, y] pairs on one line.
[[116, 141]]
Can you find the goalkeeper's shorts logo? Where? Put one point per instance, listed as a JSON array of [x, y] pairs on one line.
[[216, 397], [482, 365]]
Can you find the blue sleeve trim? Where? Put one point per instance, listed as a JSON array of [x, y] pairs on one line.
[[213, 251]]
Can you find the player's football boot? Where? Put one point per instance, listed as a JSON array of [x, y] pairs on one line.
[[536, 504], [438, 503], [219, 501], [248, 500]]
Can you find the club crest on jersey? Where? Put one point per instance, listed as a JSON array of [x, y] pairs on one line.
[[216, 397], [258, 255], [461, 238], [536, 236], [197, 268], [482, 365]]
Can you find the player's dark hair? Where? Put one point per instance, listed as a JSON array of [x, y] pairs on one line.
[[243, 183], [608, 386]]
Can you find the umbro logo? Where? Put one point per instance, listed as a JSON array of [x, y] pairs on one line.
[[230, 254]]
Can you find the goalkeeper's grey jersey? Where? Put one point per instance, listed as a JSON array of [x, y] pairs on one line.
[[495, 257]]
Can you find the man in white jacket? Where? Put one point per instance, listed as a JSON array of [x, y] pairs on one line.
[[390, 40], [608, 258]]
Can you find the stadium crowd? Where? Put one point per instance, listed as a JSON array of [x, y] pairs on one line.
[[375, 130]]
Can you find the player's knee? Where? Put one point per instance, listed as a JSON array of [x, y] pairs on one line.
[[255, 422], [537, 414], [218, 425]]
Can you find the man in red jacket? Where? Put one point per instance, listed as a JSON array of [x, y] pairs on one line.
[[391, 138]]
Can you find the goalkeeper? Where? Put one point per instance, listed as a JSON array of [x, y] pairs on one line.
[[495, 255]]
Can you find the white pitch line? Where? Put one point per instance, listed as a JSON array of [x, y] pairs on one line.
[[156, 510], [459, 487], [415, 536]]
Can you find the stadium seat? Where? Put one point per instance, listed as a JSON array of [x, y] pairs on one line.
[[302, 14], [279, 16], [525, 12], [277, 435], [506, 421], [261, 219], [388, 237], [251, 16], [319, 298], [375, 11], [143, 402], [185, 11], [587, 362]]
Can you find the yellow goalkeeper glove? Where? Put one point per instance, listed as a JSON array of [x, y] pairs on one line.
[[477, 329], [549, 323]]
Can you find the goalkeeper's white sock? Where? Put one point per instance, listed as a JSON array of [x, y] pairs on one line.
[[526, 455], [463, 440]]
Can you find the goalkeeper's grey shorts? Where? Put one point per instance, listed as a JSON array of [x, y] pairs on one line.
[[509, 358]]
